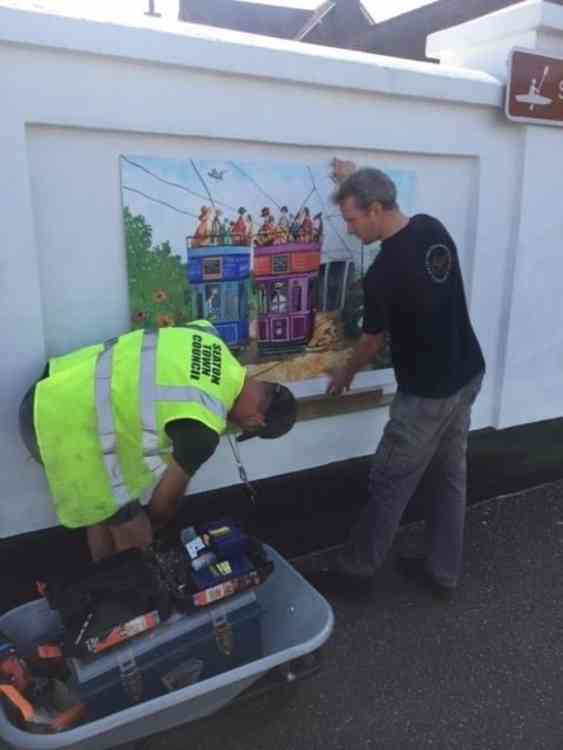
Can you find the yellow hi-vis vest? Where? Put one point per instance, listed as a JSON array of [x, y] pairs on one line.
[[100, 416]]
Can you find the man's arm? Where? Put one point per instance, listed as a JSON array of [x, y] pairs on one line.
[[193, 444], [365, 351], [167, 493]]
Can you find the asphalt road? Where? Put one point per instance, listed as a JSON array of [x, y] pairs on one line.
[[402, 671]]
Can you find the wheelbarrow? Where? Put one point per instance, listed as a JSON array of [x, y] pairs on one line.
[[296, 622]]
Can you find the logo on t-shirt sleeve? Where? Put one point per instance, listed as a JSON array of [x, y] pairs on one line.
[[439, 263]]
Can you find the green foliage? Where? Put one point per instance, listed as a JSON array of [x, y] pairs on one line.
[[159, 293]]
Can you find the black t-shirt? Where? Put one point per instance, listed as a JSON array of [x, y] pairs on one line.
[[414, 291], [192, 443]]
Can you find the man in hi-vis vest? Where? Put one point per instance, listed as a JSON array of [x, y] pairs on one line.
[[137, 416]]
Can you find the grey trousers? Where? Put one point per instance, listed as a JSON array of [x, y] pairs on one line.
[[423, 450]]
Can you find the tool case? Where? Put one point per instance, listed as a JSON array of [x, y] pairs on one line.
[[178, 653]]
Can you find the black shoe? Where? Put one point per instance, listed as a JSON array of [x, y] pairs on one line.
[[347, 565], [414, 569], [344, 574]]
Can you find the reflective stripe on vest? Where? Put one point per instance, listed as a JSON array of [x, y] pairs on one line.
[[106, 427], [151, 394]]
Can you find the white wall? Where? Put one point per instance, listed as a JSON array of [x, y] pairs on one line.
[[101, 10], [80, 93]]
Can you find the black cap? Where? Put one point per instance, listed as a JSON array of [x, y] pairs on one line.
[[280, 416]]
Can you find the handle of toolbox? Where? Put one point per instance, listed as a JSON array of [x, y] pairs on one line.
[[223, 630]]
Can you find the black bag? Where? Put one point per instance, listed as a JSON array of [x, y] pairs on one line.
[[104, 595]]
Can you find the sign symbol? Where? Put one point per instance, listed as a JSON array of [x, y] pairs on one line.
[[534, 97], [534, 91]]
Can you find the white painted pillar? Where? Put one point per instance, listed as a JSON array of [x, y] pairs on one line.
[[21, 332], [530, 384]]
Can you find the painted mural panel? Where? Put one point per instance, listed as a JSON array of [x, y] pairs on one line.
[[258, 248]]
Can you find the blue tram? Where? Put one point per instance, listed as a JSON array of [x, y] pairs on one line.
[[220, 278]]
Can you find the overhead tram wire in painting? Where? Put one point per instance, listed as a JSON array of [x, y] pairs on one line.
[[174, 184], [245, 174], [196, 170], [304, 203], [157, 200], [329, 216]]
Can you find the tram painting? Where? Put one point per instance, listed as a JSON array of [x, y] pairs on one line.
[[287, 258], [286, 277], [256, 247], [219, 277]]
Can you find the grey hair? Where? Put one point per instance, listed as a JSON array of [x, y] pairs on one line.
[[368, 186]]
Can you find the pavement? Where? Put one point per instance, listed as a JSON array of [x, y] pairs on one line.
[[302, 512], [402, 671]]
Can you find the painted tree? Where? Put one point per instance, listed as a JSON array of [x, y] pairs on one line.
[[159, 293]]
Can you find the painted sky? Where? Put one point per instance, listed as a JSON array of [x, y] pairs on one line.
[[170, 193]]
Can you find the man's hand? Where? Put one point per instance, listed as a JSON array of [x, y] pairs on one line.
[[341, 170], [363, 354], [340, 380]]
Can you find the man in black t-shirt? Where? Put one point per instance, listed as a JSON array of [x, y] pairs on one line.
[[414, 292]]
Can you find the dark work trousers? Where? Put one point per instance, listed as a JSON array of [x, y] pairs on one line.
[[27, 429], [424, 449]]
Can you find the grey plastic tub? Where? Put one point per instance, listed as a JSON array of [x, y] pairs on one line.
[[297, 621]]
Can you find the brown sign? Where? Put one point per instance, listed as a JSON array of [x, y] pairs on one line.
[[535, 88]]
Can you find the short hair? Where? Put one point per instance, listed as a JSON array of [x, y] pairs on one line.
[[368, 186], [279, 407], [267, 394]]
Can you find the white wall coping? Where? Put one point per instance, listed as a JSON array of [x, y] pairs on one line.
[[168, 42], [531, 15]]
